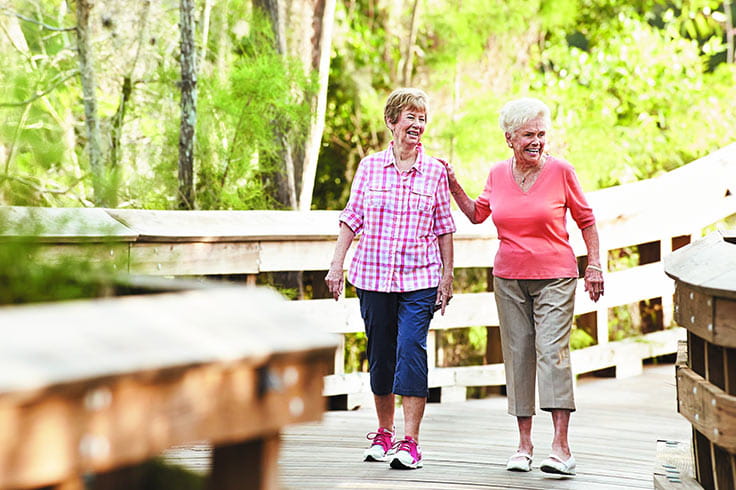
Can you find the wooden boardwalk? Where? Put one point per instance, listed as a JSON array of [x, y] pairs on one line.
[[613, 435]]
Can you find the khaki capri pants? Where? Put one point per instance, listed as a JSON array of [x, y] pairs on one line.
[[535, 319]]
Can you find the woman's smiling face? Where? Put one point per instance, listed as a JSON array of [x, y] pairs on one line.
[[409, 128], [528, 141]]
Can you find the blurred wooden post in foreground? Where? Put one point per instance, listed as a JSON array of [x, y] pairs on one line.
[[96, 387], [705, 299]]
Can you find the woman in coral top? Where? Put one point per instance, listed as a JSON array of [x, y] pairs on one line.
[[535, 273]]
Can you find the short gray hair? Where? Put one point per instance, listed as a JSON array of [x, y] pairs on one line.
[[518, 112]]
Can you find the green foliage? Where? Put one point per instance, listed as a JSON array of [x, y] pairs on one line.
[[243, 119], [364, 57], [471, 280], [628, 321], [27, 278], [33, 272], [462, 346], [636, 88], [356, 348], [623, 258], [580, 339], [33, 135], [463, 30], [157, 474], [634, 91], [621, 324]]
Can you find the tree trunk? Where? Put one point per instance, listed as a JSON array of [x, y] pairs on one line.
[[87, 72], [730, 31], [316, 58], [303, 30], [188, 105], [281, 182], [409, 48], [207, 11], [116, 131]]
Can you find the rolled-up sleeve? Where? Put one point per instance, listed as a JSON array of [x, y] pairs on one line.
[[443, 220], [353, 214]]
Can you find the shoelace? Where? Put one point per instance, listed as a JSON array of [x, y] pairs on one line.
[[382, 438], [405, 445]]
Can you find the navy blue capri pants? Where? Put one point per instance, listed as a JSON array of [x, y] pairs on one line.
[[396, 325]]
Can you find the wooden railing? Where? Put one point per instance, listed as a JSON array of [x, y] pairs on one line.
[[655, 215]]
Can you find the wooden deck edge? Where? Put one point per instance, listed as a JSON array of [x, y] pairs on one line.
[[674, 466]]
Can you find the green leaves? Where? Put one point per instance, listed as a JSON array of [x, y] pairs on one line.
[[242, 116]]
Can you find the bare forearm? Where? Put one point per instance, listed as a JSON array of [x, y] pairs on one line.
[[593, 275], [592, 244], [344, 240], [466, 205], [447, 254], [335, 277]]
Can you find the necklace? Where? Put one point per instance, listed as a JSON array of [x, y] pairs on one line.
[[528, 173]]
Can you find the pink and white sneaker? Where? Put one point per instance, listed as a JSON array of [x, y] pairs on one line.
[[381, 448], [408, 455]]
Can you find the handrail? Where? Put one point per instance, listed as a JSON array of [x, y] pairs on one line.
[[665, 210]]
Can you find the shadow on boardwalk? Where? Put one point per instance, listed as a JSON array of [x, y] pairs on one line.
[[613, 435]]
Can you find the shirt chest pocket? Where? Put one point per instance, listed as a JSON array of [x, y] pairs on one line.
[[421, 201], [378, 197]]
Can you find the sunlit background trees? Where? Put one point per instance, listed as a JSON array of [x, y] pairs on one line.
[[289, 94]]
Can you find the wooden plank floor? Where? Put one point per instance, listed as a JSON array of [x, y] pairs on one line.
[[613, 435]]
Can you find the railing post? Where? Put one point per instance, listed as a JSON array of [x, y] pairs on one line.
[[432, 349], [250, 279], [601, 312], [668, 295], [340, 356]]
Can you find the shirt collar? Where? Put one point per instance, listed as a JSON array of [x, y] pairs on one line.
[[418, 164]]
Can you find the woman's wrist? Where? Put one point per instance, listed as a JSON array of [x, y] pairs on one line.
[[594, 267]]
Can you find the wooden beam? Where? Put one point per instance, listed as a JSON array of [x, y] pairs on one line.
[[251, 464], [96, 427], [117, 381], [194, 258], [708, 408]]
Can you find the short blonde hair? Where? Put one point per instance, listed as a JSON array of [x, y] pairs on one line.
[[405, 98], [518, 112]]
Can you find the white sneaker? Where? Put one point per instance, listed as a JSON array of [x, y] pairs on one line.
[[408, 456], [382, 447]]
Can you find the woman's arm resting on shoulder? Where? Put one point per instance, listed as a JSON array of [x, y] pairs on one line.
[[335, 278], [447, 254], [466, 205], [593, 272]]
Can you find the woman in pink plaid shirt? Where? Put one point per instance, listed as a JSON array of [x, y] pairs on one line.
[[399, 206]]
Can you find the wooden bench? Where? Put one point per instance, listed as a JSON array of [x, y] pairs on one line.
[[95, 387]]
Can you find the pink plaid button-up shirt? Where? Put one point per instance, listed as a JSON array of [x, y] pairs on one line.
[[398, 217]]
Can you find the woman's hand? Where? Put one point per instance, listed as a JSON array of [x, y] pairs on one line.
[[594, 282], [335, 280], [444, 292], [451, 177]]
